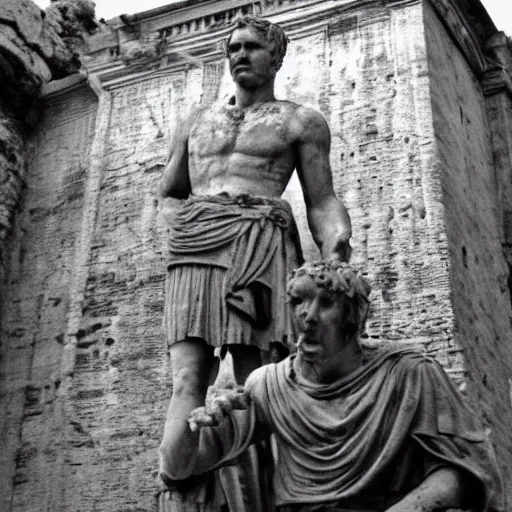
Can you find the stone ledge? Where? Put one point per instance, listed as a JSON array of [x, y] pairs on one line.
[[64, 85], [496, 80], [188, 33], [174, 52]]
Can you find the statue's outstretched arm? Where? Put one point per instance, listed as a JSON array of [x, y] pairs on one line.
[[221, 404]]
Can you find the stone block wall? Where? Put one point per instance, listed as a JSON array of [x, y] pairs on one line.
[[37, 301], [85, 376], [35, 46], [478, 270], [37, 245]]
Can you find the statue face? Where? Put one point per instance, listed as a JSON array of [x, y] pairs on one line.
[[250, 58], [319, 318]]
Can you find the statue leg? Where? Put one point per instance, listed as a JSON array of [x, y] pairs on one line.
[[248, 358], [246, 486], [191, 361]]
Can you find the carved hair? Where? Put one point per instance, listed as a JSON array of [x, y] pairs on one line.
[[342, 281], [272, 32]]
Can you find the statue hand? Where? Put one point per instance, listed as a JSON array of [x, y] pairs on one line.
[[220, 405], [342, 249]]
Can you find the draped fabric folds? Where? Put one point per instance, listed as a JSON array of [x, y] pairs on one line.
[[229, 260], [362, 442]]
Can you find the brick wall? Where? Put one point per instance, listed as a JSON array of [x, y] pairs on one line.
[[372, 85], [36, 302]]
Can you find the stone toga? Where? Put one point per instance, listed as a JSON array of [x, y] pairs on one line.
[[230, 256], [363, 442]]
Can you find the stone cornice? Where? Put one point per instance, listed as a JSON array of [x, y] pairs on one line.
[[470, 27], [496, 80], [57, 88], [179, 36], [199, 40], [498, 76]]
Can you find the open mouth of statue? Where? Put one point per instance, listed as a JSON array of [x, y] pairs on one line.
[[307, 344]]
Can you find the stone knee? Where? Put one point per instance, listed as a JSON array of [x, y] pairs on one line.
[[191, 363]]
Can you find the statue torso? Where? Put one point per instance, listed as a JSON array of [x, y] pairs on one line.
[[238, 150]]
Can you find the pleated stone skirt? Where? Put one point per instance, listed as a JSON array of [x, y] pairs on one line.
[[195, 307], [229, 262]]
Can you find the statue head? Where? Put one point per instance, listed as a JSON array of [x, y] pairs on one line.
[[330, 300], [250, 32]]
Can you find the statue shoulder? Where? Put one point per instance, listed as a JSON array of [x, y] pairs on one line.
[[207, 115], [195, 115], [184, 125], [412, 362], [309, 124], [401, 359]]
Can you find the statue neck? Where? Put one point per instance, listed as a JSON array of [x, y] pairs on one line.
[[246, 97]]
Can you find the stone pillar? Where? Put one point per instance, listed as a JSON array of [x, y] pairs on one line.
[[497, 84]]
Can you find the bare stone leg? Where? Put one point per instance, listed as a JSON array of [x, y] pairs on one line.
[[194, 368], [192, 362]]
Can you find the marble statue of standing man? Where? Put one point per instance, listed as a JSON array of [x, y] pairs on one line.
[[234, 240]]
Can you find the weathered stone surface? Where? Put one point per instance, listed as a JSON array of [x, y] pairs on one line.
[[25, 17], [66, 23], [23, 66], [12, 167], [39, 44], [35, 307], [478, 270], [34, 47], [382, 147], [140, 51]]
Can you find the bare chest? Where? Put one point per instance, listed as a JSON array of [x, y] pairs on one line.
[[260, 132]]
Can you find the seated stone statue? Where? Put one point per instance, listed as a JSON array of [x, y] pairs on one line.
[[353, 428]]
